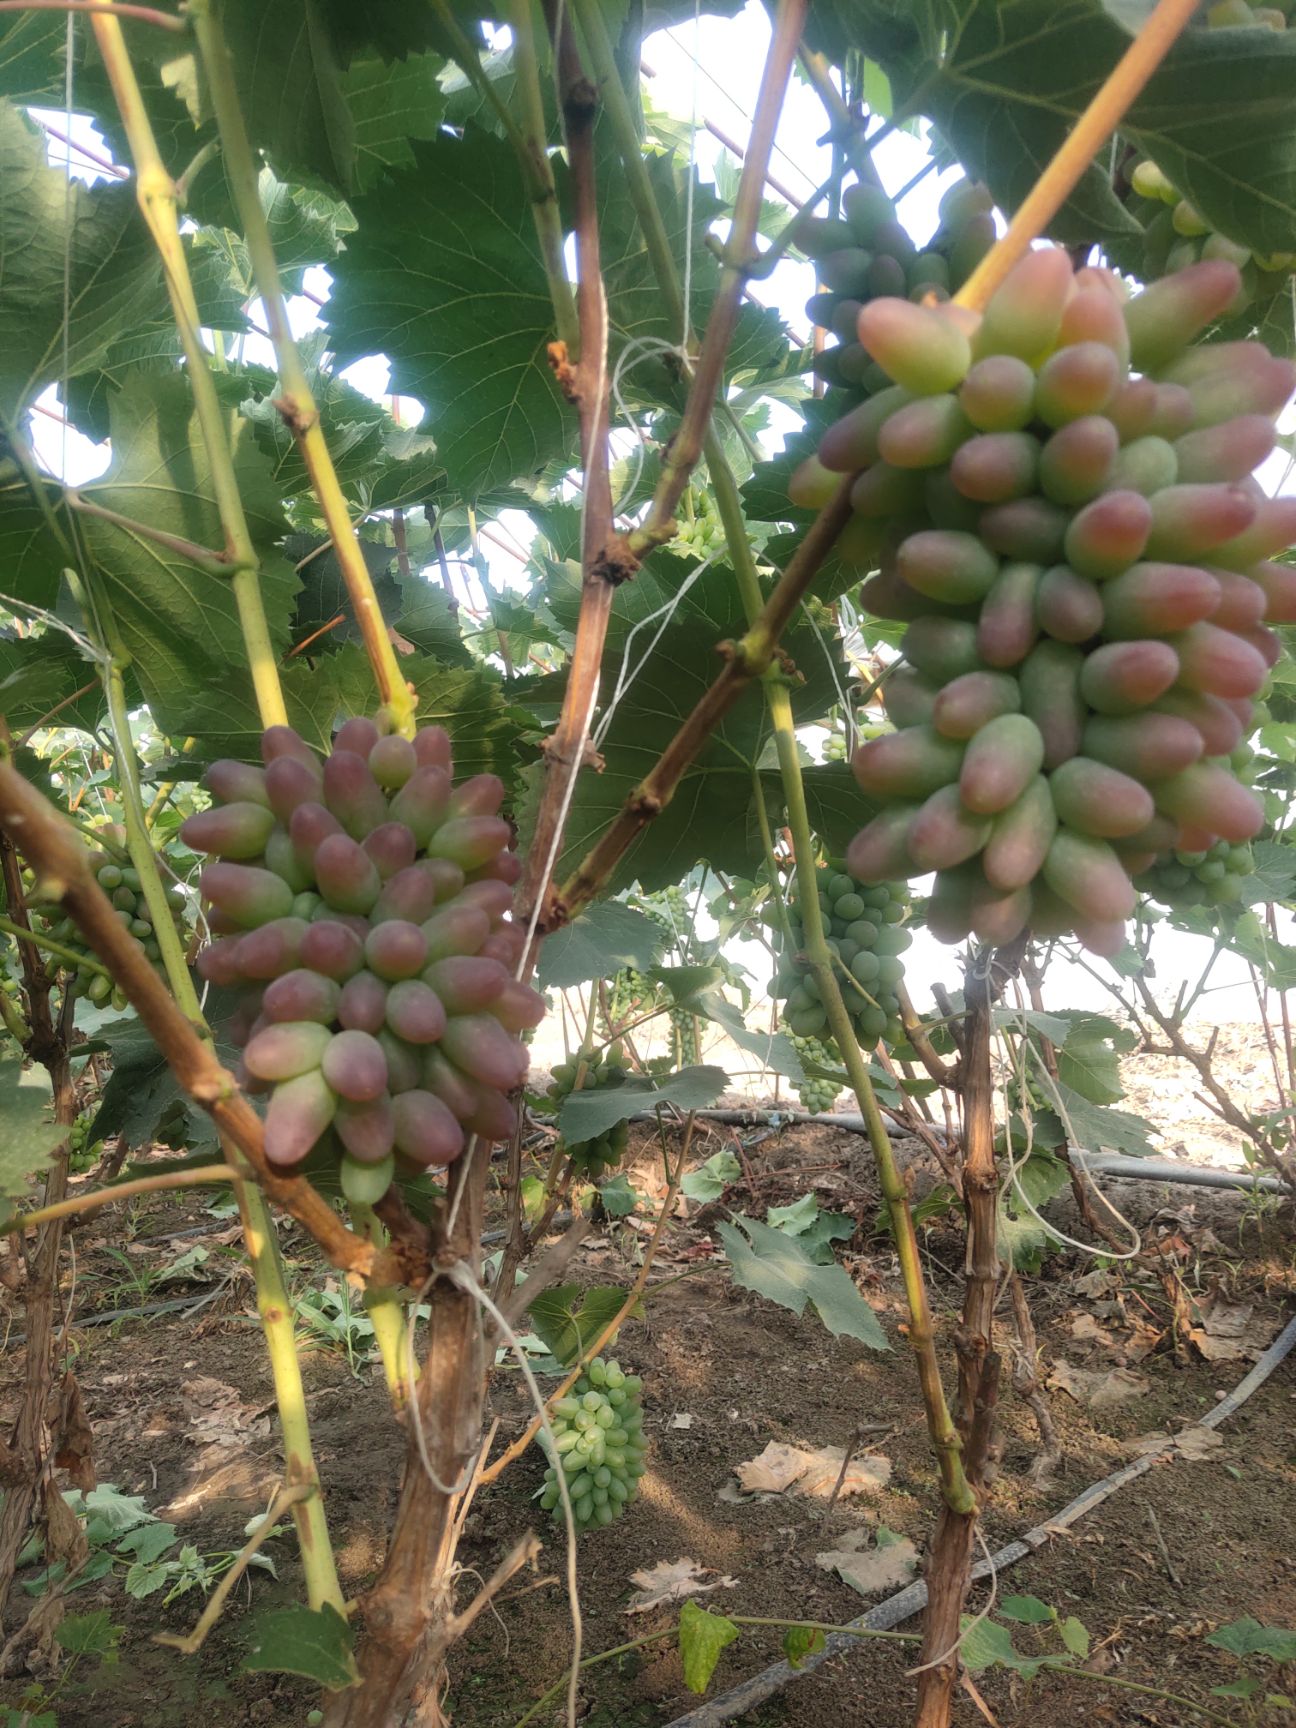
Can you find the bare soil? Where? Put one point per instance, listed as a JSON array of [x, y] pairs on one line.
[[182, 1414]]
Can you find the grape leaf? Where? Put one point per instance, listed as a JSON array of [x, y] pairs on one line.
[[390, 105], [711, 814], [605, 939], [1005, 85], [586, 1115], [180, 624], [1247, 1637], [777, 1266], [444, 277], [32, 50], [709, 1181], [1026, 1610], [47, 224], [702, 1637], [289, 73], [30, 1137], [987, 1644], [569, 1317], [315, 1643]]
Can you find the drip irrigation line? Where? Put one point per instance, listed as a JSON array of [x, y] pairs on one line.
[[1100, 1163], [908, 1602], [176, 1305]]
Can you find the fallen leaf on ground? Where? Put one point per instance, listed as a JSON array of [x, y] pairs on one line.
[[1099, 1390], [1194, 1443], [682, 1419], [672, 1581], [780, 1467], [217, 1414], [1229, 1332], [870, 1569]]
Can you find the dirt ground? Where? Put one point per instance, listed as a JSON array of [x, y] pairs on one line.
[[182, 1415]]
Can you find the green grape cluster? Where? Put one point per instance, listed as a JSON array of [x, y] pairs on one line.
[[866, 252], [863, 925], [121, 882], [82, 1151], [1177, 234], [1056, 496], [699, 532], [362, 909], [629, 994], [686, 1046], [595, 1068], [1184, 880], [816, 1095], [598, 1444]]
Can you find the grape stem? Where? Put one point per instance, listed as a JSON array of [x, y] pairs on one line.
[[121, 1191], [56, 853], [584, 381], [156, 194], [76, 962], [530, 141], [296, 403]]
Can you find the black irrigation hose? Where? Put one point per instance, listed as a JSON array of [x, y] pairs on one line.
[[747, 1694]]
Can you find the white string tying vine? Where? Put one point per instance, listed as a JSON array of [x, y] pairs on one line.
[[665, 612], [840, 688], [460, 1275]]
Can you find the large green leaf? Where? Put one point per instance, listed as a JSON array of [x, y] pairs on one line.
[[40, 672], [1005, 84], [586, 1115], [601, 941], [30, 1137], [179, 623], [289, 74], [62, 245], [32, 50], [445, 278], [390, 105], [779, 1267], [711, 815], [315, 1643], [569, 1317]]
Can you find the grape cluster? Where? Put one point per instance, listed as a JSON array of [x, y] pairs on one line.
[[862, 923], [1059, 496], [815, 1094], [1177, 234], [866, 253], [1186, 880], [594, 1068], [121, 882], [82, 1151], [361, 905], [598, 1444], [699, 532]]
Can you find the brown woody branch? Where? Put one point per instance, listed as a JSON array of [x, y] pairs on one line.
[[603, 566], [739, 258], [55, 851], [745, 661]]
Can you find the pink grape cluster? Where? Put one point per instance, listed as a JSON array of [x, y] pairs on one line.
[[361, 905], [1057, 499]]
